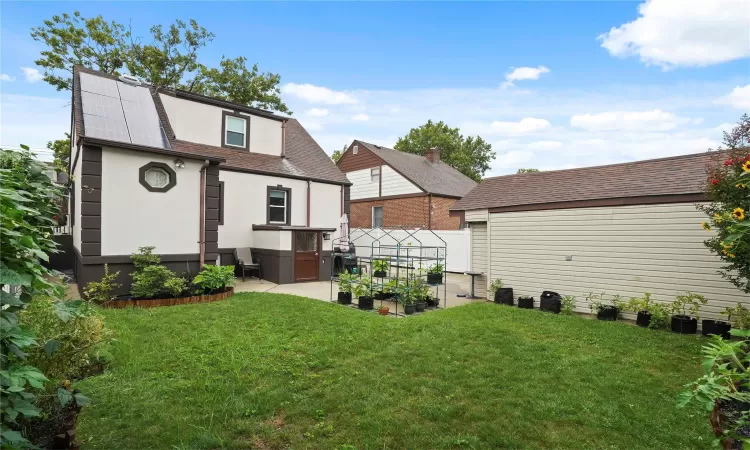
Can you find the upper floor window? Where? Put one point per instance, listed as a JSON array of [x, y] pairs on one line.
[[235, 131], [375, 175]]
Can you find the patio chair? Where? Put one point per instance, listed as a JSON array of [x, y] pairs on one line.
[[244, 259]]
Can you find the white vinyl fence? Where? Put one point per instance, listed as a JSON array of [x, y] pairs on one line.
[[457, 243]]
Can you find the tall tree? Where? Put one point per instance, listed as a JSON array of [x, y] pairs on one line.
[[169, 59], [527, 170], [61, 152], [470, 156], [337, 154]]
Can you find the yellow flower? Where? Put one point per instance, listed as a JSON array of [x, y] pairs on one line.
[[706, 226], [739, 185], [746, 166], [723, 252], [731, 255], [738, 213]]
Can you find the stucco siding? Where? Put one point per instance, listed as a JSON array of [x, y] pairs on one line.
[[479, 258], [362, 184], [626, 250], [325, 205], [134, 217], [202, 123], [395, 184]]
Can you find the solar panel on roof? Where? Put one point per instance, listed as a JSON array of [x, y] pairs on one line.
[[121, 112]]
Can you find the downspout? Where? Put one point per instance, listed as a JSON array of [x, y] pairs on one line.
[[202, 236], [429, 212], [308, 203]]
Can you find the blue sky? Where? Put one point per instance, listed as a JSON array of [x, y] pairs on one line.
[[549, 84]]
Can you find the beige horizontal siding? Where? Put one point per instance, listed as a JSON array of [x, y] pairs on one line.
[[626, 250], [477, 215], [479, 256]]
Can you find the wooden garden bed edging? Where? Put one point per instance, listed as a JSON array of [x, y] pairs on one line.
[[156, 302]]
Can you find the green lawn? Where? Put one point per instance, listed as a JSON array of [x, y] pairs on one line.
[[274, 371]]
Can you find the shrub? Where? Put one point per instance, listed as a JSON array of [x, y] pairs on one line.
[[687, 304], [659, 312], [739, 316], [496, 284], [66, 347], [364, 287], [144, 258], [213, 278], [101, 291], [156, 281], [727, 186], [567, 304]]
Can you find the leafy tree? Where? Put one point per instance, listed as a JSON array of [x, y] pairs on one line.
[[728, 188], [527, 170], [61, 150], [170, 59], [470, 156], [337, 154]]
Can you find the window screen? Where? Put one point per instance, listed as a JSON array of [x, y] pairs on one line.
[[235, 129], [277, 206], [377, 216]]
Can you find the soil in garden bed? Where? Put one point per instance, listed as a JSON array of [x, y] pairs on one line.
[[58, 431]]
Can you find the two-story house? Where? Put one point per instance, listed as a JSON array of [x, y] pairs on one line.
[[396, 189], [195, 177]]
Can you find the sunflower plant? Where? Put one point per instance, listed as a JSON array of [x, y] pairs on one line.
[[728, 189]]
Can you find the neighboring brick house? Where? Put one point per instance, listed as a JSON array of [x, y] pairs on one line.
[[396, 189]]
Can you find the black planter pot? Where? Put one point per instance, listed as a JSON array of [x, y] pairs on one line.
[[526, 303], [365, 303], [409, 309], [345, 298], [420, 306], [643, 319], [550, 301], [717, 327], [432, 302], [504, 296], [608, 313], [380, 274], [434, 278], [684, 324]]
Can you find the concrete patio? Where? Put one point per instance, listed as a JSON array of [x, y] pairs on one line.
[[321, 290]]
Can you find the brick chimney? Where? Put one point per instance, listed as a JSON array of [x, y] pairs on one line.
[[433, 155]]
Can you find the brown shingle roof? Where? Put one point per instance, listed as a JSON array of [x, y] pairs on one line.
[[439, 179], [675, 175], [304, 158]]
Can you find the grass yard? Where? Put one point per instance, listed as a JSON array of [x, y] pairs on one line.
[[271, 371]]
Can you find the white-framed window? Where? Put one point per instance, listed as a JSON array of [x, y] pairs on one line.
[[156, 177], [375, 174], [377, 216], [355, 150], [235, 131], [278, 206]]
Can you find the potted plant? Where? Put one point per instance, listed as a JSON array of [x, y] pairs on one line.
[[501, 294], [380, 268], [345, 288], [526, 302], [420, 292], [603, 310], [432, 302], [384, 310], [739, 317], [683, 308], [648, 312], [363, 291], [435, 274], [389, 289], [550, 301]]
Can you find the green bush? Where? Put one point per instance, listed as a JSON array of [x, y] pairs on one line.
[[213, 278], [69, 335], [156, 281], [101, 291], [567, 304], [145, 258]]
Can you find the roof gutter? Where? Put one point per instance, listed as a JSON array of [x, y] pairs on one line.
[[163, 151]]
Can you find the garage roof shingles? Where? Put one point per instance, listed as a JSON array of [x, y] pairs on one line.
[[678, 175]]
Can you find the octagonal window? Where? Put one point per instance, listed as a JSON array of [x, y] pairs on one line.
[[157, 177]]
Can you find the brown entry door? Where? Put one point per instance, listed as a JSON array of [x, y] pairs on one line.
[[306, 255]]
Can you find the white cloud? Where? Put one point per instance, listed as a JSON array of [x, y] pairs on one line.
[[513, 159], [523, 126], [672, 33], [524, 73], [739, 98], [311, 125], [545, 145], [317, 112], [32, 75], [655, 120], [6, 77], [361, 117], [318, 94]]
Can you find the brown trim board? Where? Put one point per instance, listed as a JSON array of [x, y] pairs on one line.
[[621, 201], [279, 175], [157, 165], [389, 197], [287, 206], [91, 207], [144, 148], [212, 216], [223, 104]]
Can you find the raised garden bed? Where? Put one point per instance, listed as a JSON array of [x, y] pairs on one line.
[[156, 302]]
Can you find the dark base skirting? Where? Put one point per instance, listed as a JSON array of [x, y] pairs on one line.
[[155, 302], [278, 265], [65, 259]]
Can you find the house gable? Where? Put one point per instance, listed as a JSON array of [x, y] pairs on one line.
[[364, 159]]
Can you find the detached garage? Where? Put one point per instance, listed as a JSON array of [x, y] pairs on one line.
[[620, 229]]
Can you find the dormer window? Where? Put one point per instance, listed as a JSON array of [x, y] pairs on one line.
[[235, 131]]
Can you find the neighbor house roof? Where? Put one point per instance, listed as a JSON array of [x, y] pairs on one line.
[[303, 157], [433, 178], [646, 181]]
